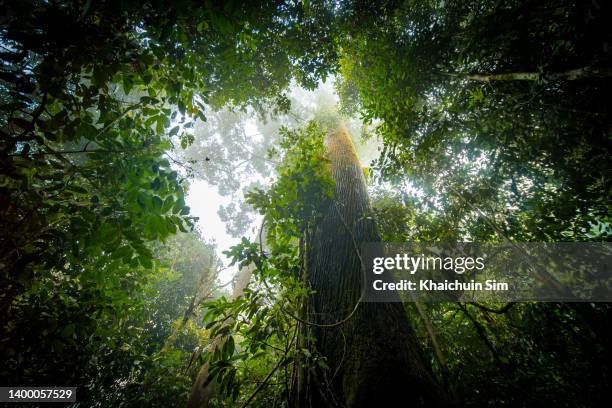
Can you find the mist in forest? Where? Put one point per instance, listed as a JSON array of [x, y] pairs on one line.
[[228, 157]]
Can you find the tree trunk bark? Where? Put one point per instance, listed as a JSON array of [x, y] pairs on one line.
[[193, 304], [374, 358], [203, 386]]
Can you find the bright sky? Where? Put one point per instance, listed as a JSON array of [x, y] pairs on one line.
[[204, 202]]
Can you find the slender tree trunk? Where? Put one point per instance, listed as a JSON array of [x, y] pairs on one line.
[[193, 304], [203, 386], [433, 338], [374, 358]]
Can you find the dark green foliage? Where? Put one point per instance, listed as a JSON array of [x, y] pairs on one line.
[[520, 150], [93, 96], [533, 354], [495, 121], [129, 366], [541, 354]]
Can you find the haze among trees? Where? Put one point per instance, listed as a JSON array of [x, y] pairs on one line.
[[489, 121]]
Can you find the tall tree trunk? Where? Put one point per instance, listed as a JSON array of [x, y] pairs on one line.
[[374, 358]]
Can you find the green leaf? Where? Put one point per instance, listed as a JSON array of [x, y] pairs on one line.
[[68, 331], [174, 130], [228, 347], [157, 202], [168, 204], [122, 252], [146, 262]]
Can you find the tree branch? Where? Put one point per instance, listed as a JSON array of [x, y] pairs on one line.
[[571, 75]]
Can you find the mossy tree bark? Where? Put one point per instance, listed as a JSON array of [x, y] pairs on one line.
[[374, 358]]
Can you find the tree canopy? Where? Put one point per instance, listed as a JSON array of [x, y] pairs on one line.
[[493, 124]]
